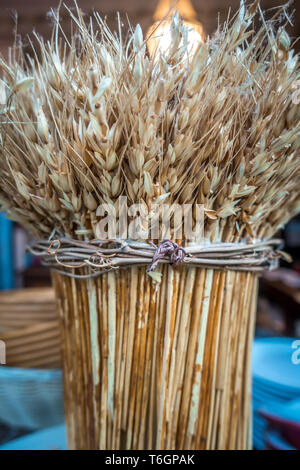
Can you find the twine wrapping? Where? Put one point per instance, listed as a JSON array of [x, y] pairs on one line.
[[103, 255]]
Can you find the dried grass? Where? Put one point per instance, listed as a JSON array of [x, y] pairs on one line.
[[96, 117]]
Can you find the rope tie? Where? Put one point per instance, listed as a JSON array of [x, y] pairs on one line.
[[167, 248], [101, 256]]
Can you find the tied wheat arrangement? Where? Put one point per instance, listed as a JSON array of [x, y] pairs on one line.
[[93, 117]]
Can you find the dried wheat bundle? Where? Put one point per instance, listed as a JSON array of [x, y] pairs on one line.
[[95, 117], [88, 119]]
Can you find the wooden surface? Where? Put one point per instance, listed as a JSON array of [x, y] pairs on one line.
[[29, 327], [148, 367]]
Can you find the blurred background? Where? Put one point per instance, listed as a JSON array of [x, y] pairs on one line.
[[30, 382], [34, 14]]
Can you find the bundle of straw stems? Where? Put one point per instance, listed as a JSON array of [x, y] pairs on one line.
[[158, 367]]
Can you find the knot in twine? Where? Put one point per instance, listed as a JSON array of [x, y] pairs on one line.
[[166, 248], [101, 256]]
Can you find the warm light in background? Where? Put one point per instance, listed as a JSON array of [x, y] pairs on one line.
[[159, 34]]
